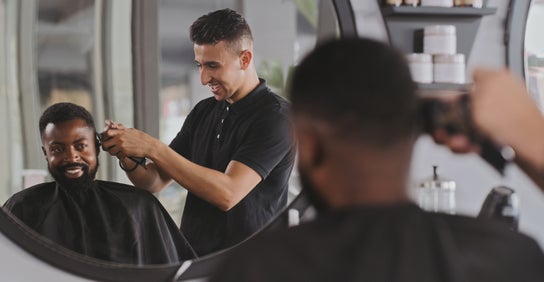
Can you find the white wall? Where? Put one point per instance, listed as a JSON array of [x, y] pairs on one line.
[[474, 177]]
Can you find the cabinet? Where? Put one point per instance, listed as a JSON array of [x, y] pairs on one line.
[[405, 26]]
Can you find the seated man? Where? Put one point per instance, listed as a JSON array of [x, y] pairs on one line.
[[355, 114], [100, 219]]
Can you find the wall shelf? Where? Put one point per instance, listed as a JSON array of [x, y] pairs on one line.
[[405, 25], [392, 11], [438, 88]]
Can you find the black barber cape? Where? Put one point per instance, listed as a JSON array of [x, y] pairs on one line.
[[388, 244], [110, 221]]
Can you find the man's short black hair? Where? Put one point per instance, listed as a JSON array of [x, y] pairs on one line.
[[62, 112], [360, 86], [220, 25]]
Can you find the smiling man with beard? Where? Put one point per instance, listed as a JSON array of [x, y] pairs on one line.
[[100, 219]]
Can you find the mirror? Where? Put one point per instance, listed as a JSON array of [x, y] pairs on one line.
[[534, 52], [65, 50]]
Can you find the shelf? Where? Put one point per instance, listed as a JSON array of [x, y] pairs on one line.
[[405, 25], [443, 88], [392, 11], [451, 86]]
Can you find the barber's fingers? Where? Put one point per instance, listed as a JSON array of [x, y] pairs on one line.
[[457, 143], [110, 124], [481, 74]]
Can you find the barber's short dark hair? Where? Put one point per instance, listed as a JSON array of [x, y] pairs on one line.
[[360, 86], [220, 25], [62, 112]]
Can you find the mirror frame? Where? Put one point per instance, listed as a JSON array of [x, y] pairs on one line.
[[86, 267], [514, 35]]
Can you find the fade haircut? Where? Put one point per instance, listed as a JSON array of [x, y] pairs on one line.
[[361, 87], [62, 112], [221, 25]]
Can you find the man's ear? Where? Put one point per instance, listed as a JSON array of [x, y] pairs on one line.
[[245, 59], [44, 153]]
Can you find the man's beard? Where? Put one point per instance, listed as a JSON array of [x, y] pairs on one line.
[[311, 193], [84, 182]]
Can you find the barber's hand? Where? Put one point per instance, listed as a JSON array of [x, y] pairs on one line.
[[498, 106], [502, 109], [458, 143], [122, 142], [110, 124]]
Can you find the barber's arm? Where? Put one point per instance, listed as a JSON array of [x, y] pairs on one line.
[[222, 189], [502, 111]]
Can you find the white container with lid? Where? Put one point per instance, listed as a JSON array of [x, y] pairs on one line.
[[440, 39], [393, 2], [421, 67], [413, 3], [469, 3], [437, 3], [449, 68]]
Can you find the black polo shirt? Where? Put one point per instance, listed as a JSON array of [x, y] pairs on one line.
[[255, 131]]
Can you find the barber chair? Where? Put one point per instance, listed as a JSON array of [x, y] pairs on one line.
[[501, 204]]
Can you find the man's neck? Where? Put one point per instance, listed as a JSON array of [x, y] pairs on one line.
[[370, 179], [250, 84]]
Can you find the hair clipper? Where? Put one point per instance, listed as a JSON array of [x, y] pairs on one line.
[[453, 116]]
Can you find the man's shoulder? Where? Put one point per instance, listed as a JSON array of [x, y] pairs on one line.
[[37, 190], [125, 189], [488, 234], [482, 249], [273, 102], [205, 104]]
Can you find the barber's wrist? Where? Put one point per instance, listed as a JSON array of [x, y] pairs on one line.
[[125, 167]]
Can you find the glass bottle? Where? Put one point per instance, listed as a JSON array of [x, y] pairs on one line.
[[436, 194]]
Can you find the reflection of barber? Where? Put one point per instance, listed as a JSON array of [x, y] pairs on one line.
[[234, 153], [503, 112], [356, 130], [101, 219]]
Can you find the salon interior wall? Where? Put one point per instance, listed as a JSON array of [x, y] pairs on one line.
[[474, 178]]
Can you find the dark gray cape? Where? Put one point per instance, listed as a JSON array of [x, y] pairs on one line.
[[109, 221], [401, 243]]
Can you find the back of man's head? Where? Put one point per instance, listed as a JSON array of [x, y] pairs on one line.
[[361, 88], [221, 25], [62, 112]]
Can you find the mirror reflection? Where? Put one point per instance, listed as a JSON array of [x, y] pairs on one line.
[[534, 52], [65, 43], [100, 219]]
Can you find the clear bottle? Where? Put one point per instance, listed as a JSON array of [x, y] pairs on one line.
[[436, 194]]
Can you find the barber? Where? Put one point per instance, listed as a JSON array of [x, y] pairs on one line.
[[235, 151]]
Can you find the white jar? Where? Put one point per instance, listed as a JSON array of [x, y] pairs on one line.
[[412, 3], [469, 3], [393, 2], [449, 68], [421, 67], [437, 3], [440, 39]]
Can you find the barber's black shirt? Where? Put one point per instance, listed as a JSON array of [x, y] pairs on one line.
[[255, 131], [388, 244]]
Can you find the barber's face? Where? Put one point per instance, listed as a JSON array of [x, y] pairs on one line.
[[220, 69], [70, 151]]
